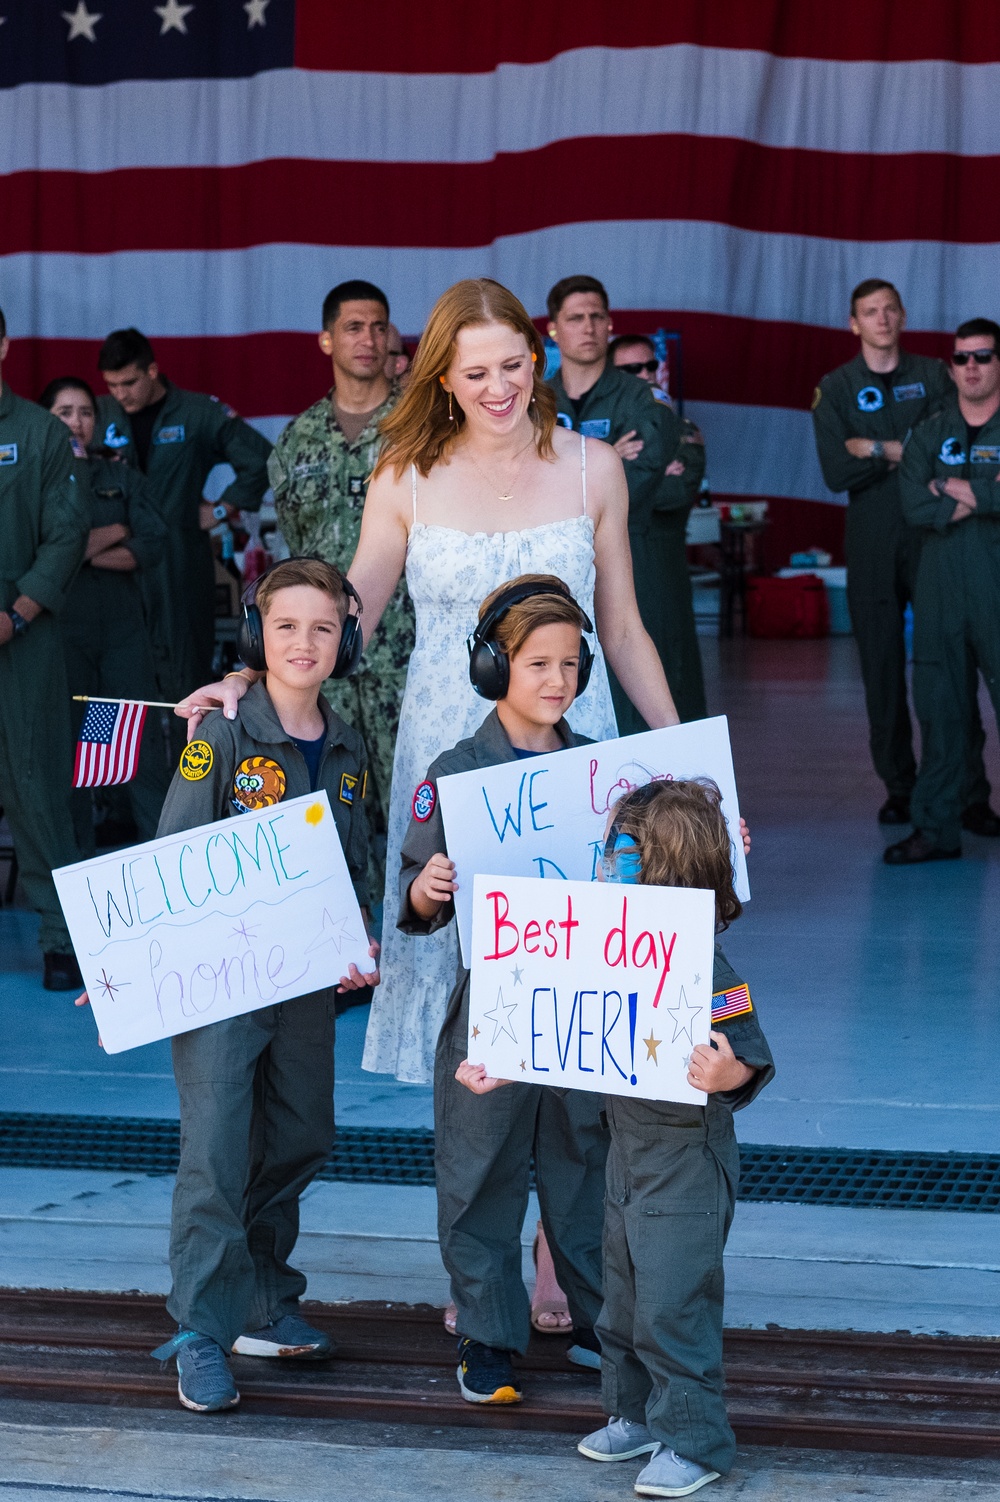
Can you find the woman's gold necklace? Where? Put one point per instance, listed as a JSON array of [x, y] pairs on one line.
[[509, 495]]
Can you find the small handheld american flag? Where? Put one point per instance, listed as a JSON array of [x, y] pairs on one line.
[[107, 752]]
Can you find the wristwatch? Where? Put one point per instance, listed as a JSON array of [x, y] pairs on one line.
[[18, 622], [878, 449]]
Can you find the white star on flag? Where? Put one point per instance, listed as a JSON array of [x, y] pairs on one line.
[[689, 1013], [172, 15], [255, 13], [501, 1024], [81, 22]]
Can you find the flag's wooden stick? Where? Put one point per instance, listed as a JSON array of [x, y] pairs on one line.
[[104, 699]]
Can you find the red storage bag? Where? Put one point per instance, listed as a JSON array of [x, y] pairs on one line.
[[784, 608]]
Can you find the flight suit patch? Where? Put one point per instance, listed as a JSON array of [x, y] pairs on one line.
[[258, 783], [909, 393], [985, 453], [113, 439], [115, 493], [229, 411], [196, 761], [424, 802], [732, 1003], [952, 452], [660, 395], [870, 399], [596, 427], [170, 435], [564, 420], [355, 485], [347, 785], [8, 453]]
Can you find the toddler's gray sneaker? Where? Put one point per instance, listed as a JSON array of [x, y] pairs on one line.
[[670, 1475], [620, 1439]]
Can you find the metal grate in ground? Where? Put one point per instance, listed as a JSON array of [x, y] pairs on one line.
[[377, 1155]]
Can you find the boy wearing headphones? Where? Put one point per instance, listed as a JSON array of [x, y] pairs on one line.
[[528, 653], [256, 1091]]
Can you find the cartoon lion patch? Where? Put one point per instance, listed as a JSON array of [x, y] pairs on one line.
[[258, 783]]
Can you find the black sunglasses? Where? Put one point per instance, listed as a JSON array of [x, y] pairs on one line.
[[981, 356], [635, 366]]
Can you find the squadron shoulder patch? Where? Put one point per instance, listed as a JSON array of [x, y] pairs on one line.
[[424, 802], [348, 783], [8, 453], [258, 783], [196, 761], [729, 1004]]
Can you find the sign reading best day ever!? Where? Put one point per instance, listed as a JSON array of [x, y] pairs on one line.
[[213, 922], [545, 816], [590, 985]]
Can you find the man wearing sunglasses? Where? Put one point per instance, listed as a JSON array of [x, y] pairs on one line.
[[950, 482], [861, 413], [669, 608]]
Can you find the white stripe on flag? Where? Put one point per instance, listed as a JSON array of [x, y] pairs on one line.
[[787, 102]]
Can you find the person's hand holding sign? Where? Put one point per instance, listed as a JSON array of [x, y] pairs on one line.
[[475, 1078], [717, 1068], [355, 980]]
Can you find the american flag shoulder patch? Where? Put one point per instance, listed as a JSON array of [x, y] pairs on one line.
[[729, 1004]]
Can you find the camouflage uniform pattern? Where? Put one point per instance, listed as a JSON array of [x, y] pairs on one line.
[[319, 482]]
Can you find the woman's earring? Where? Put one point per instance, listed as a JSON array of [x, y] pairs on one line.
[[451, 415]]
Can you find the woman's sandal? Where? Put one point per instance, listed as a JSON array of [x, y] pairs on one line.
[[548, 1302]]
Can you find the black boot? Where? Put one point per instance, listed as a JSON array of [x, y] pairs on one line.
[[915, 848], [980, 819], [895, 809], [62, 973]]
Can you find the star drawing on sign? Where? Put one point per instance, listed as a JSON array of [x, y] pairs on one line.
[[255, 13], [652, 1044], [524, 1066], [697, 980], [81, 22], [109, 986], [683, 1014], [500, 1017], [242, 932], [517, 973], [172, 16], [475, 1032], [332, 931]]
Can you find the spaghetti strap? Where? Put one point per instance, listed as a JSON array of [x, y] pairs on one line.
[[413, 486], [583, 471]]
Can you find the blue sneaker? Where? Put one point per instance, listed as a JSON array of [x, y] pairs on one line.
[[204, 1382], [486, 1375], [288, 1336]]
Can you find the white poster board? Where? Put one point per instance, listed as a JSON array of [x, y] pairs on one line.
[[545, 816], [213, 922], [590, 985]]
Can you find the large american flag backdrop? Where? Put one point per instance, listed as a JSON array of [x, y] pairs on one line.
[[207, 169]]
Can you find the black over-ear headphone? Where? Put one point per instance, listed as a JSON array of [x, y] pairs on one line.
[[250, 639], [489, 665]]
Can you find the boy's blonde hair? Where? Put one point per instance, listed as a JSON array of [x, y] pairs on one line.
[[311, 571], [682, 839], [514, 628]]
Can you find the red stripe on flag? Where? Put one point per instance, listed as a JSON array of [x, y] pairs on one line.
[[746, 361], [830, 195], [439, 37]]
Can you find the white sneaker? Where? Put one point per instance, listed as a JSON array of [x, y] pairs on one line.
[[620, 1439], [670, 1475]]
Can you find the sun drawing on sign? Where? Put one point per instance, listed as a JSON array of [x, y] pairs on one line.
[[109, 986], [500, 1017]]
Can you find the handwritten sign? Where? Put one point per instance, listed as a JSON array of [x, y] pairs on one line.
[[213, 922], [545, 817], [591, 986]]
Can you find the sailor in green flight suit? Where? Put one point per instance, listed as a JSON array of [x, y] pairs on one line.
[[950, 481], [42, 541], [176, 437], [663, 579], [595, 399], [861, 413], [106, 638]]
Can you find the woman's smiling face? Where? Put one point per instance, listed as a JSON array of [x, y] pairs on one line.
[[492, 377]]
